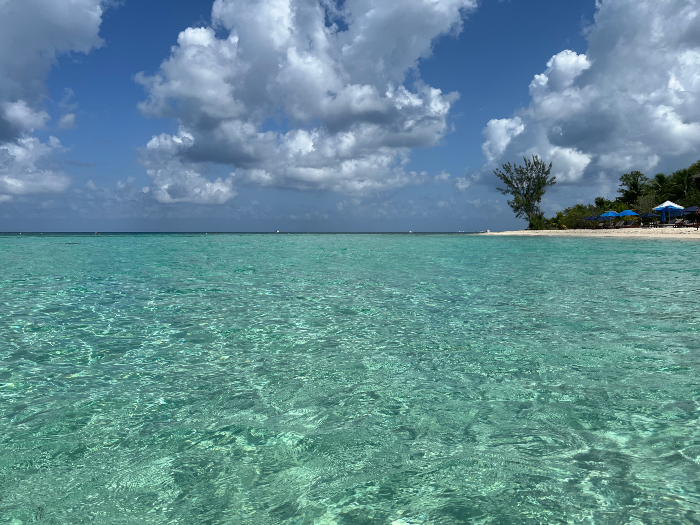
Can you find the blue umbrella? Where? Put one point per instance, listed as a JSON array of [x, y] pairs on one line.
[[610, 214], [677, 213], [650, 215], [626, 213], [666, 207]]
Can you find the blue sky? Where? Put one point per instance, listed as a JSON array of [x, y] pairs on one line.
[[237, 115]]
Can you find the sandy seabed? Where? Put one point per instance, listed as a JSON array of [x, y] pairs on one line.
[[627, 233]]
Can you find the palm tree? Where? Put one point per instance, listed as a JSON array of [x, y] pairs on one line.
[[681, 185], [660, 185], [632, 186]]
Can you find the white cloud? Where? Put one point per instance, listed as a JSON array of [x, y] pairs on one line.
[[32, 34], [462, 183], [351, 119], [499, 133], [19, 115], [67, 121], [175, 180], [24, 169], [632, 101], [176, 184]]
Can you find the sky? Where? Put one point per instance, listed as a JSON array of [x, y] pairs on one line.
[[333, 115]]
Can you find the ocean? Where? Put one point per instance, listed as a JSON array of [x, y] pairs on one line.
[[348, 380]]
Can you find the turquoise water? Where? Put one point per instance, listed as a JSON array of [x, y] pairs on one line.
[[349, 380]]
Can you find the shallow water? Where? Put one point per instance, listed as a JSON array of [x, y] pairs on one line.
[[348, 379]]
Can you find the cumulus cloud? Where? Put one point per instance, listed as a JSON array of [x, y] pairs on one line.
[[499, 133], [25, 167], [32, 34], [309, 94], [632, 101], [176, 180], [21, 117]]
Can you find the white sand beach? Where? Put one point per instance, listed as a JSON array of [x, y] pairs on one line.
[[627, 233]]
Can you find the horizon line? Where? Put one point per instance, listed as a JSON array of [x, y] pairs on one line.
[[240, 233]]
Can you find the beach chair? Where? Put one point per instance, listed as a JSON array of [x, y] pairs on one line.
[[629, 224]]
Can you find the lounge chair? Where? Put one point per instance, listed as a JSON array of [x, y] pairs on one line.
[[629, 224]]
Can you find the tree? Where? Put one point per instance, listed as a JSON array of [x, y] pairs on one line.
[[527, 185], [645, 204], [661, 186], [682, 187], [632, 186], [601, 203]]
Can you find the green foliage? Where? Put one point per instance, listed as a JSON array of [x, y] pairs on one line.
[[603, 203], [538, 222], [645, 203], [683, 188], [632, 186], [637, 193], [680, 187], [527, 184], [572, 217], [660, 186]]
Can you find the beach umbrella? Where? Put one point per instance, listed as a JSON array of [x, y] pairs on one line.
[[610, 214], [667, 206], [677, 213], [691, 209], [647, 215], [628, 213]]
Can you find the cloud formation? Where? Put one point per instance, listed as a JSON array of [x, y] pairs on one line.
[[632, 101], [308, 94], [32, 34]]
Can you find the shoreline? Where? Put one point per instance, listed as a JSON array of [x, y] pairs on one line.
[[623, 233]]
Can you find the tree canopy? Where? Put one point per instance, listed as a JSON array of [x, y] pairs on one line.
[[638, 193], [527, 184], [632, 186]]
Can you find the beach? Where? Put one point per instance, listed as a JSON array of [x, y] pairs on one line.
[[623, 233]]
